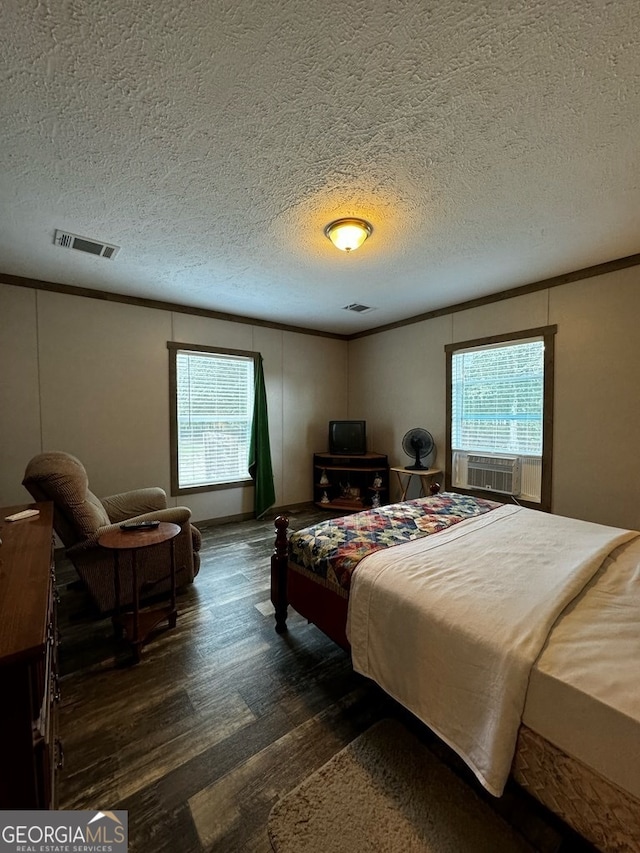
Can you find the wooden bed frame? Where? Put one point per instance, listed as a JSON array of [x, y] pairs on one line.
[[597, 809]]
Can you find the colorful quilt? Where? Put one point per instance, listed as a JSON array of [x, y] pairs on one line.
[[332, 549]]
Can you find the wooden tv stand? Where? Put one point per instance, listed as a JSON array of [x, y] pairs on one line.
[[353, 483]]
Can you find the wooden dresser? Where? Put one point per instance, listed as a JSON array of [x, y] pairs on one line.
[[30, 753]]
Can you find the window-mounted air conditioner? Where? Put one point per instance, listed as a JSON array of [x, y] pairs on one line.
[[494, 473]]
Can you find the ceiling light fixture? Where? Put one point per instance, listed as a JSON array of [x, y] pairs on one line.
[[348, 234]]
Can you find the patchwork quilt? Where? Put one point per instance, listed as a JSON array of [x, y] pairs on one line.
[[332, 549]]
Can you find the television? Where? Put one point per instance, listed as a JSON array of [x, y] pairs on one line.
[[347, 438]]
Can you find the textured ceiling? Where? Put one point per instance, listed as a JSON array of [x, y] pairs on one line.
[[491, 144]]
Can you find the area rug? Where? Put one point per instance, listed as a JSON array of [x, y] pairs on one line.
[[387, 793]]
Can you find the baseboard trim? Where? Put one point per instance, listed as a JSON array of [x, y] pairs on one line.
[[270, 515]]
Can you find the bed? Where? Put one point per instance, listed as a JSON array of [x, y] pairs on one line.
[[576, 736]]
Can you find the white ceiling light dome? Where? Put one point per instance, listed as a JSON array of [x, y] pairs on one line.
[[349, 233]]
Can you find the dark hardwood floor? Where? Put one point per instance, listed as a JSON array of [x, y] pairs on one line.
[[222, 716]]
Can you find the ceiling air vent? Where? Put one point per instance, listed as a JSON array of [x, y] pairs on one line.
[[359, 309], [85, 244]]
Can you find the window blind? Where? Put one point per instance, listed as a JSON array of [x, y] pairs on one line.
[[214, 412], [497, 398]]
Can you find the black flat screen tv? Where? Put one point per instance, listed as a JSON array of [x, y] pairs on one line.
[[347, 438]]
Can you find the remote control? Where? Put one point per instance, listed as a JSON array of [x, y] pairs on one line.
[[139, 525], [26, 513]]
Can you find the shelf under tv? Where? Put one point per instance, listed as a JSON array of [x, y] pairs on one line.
[[367, 474]]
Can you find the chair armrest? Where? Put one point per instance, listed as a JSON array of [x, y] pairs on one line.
[[176, 515], [126, 505]]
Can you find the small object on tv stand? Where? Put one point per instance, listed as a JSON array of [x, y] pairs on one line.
[[350, 479]]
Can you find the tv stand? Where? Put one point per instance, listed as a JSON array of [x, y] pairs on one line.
[[350, 483]]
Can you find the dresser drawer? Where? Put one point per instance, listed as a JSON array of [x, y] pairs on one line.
[[28, 662]]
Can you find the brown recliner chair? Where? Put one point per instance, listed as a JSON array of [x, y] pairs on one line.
[[80, 517]]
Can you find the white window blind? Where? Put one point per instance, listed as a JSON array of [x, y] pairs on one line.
[[214, 413], [497, 398]]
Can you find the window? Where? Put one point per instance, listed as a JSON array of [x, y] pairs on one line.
[[212, 393], [497, 398], [499, 415]]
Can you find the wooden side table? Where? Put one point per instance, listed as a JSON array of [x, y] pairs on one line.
[[427, 477], [138, 624]]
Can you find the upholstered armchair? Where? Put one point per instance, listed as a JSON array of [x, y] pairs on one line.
[[80, 517]]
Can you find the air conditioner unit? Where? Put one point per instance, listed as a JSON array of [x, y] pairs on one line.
[[495, 473]]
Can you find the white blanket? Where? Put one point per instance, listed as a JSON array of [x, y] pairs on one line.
[[451, 624]]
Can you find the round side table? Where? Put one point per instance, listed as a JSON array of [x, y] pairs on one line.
[[138, 624]]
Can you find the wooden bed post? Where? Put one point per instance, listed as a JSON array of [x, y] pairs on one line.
[[279, 560]]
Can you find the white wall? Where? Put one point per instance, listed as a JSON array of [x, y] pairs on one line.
[[20, 432], [397, 381], [91, 377], [596, 429]]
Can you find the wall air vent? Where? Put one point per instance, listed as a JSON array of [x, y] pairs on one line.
[[359, 309], [85, 244]]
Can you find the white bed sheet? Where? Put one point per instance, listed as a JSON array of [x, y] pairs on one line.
[[459, 653], [584, 691]]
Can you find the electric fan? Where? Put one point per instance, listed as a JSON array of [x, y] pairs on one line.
[[418, 443]]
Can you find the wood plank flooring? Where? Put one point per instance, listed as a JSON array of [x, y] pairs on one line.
[[222, 716]]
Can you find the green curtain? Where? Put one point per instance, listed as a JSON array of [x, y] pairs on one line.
[[260, 468]]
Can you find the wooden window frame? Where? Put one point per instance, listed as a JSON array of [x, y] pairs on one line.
[[547, 333], [173, 348]]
